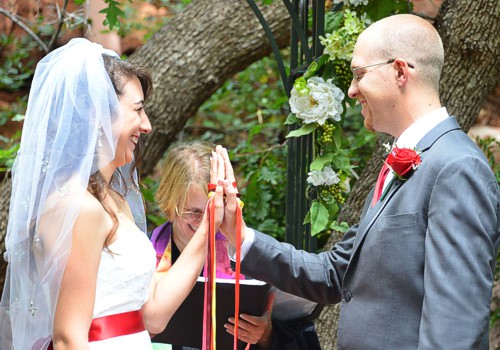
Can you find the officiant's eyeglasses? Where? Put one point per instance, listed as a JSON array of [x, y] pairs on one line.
[[194, 216], [357, 76]]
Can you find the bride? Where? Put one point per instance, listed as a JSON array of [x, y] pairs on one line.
[[80, 272]]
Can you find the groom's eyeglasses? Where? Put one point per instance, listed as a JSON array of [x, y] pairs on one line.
[[357, 76]]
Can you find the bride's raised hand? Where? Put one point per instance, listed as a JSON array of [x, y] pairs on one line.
[[228, 226], [217, 176]]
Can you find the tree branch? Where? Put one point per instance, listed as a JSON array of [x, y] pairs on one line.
[[14, 19], [60, 21]]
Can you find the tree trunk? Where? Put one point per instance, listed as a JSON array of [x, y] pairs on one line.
[[194, 54], [5, 190], [469, 30]]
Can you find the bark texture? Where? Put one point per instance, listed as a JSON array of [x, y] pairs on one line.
[[5, 190], [193, 55], [469, 30]]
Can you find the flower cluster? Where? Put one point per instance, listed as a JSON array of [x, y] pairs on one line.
[[340, 43], [318, 105], [352, 2], [327, 176], [316, 100]]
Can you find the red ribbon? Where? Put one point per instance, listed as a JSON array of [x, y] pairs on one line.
[[208, 321], [209, 330], [115, 325], [237, 276]]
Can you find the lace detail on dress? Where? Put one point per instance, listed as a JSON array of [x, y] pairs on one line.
[[125, 272]]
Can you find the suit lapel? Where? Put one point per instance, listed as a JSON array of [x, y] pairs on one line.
[[372, 214]]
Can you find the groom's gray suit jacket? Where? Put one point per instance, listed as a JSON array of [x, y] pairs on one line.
[[417, 271]]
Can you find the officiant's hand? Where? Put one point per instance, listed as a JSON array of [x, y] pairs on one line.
[[255, 329], [228, 226]]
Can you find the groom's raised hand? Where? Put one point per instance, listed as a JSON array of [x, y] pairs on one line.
[[228, 226]]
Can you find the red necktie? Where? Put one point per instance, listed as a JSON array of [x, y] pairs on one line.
[[380, 183]]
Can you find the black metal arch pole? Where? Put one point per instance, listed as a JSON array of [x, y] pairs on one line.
[[304, 48]]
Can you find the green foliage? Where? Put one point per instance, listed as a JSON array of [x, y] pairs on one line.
[[377, 9], [246, 115], [16, 67], [491, 148], [8, 153], [10, 145], [154, 215], [113, 12]]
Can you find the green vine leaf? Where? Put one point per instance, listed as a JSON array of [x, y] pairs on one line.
[[332, 208], [304, 130], [382, 8], [339, 227], [112, 12], [337, 137], [320, 161], [291, 119], [319, 218], [342, 161], [315, 66]]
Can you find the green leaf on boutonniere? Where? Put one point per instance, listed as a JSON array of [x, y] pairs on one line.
[[304, 130], [387, 188], [319, 162], [319, 218], [291, 119]]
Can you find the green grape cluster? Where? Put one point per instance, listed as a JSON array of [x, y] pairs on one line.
[[337, 192], [327, 133], [343, 73]]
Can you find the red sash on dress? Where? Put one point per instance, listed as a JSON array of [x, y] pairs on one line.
[[115, 325]]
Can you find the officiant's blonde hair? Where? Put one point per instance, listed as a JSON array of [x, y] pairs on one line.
[[186, 166]]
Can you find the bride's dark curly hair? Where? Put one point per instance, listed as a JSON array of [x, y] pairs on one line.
[[120, 72]]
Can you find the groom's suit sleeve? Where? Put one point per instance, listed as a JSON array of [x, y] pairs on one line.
[[316, 277], [460, 249]]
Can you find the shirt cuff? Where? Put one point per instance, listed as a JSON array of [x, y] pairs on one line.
[[245, 246]]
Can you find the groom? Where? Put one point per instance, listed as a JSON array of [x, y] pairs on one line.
[[417, 271]]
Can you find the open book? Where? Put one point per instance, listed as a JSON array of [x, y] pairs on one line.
[[186, 325]]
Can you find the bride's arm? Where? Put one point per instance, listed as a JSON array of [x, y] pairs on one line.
[[75, 303]]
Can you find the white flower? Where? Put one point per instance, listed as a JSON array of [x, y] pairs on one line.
[[352, 2], [347, 186], [387, 147], [324, 101], [340, 43], [326, 177]]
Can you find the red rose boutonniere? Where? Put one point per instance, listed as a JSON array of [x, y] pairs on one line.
[[403, 161]]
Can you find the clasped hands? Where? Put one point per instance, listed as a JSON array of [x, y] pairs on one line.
[[225, 196], [252, 329]]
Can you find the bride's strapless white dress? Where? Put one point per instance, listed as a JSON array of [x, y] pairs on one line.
[[125, 272]]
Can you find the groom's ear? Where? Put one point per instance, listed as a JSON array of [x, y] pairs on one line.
[[402, 72]]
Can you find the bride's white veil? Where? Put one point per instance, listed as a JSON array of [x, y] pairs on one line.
[[70, 131]]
